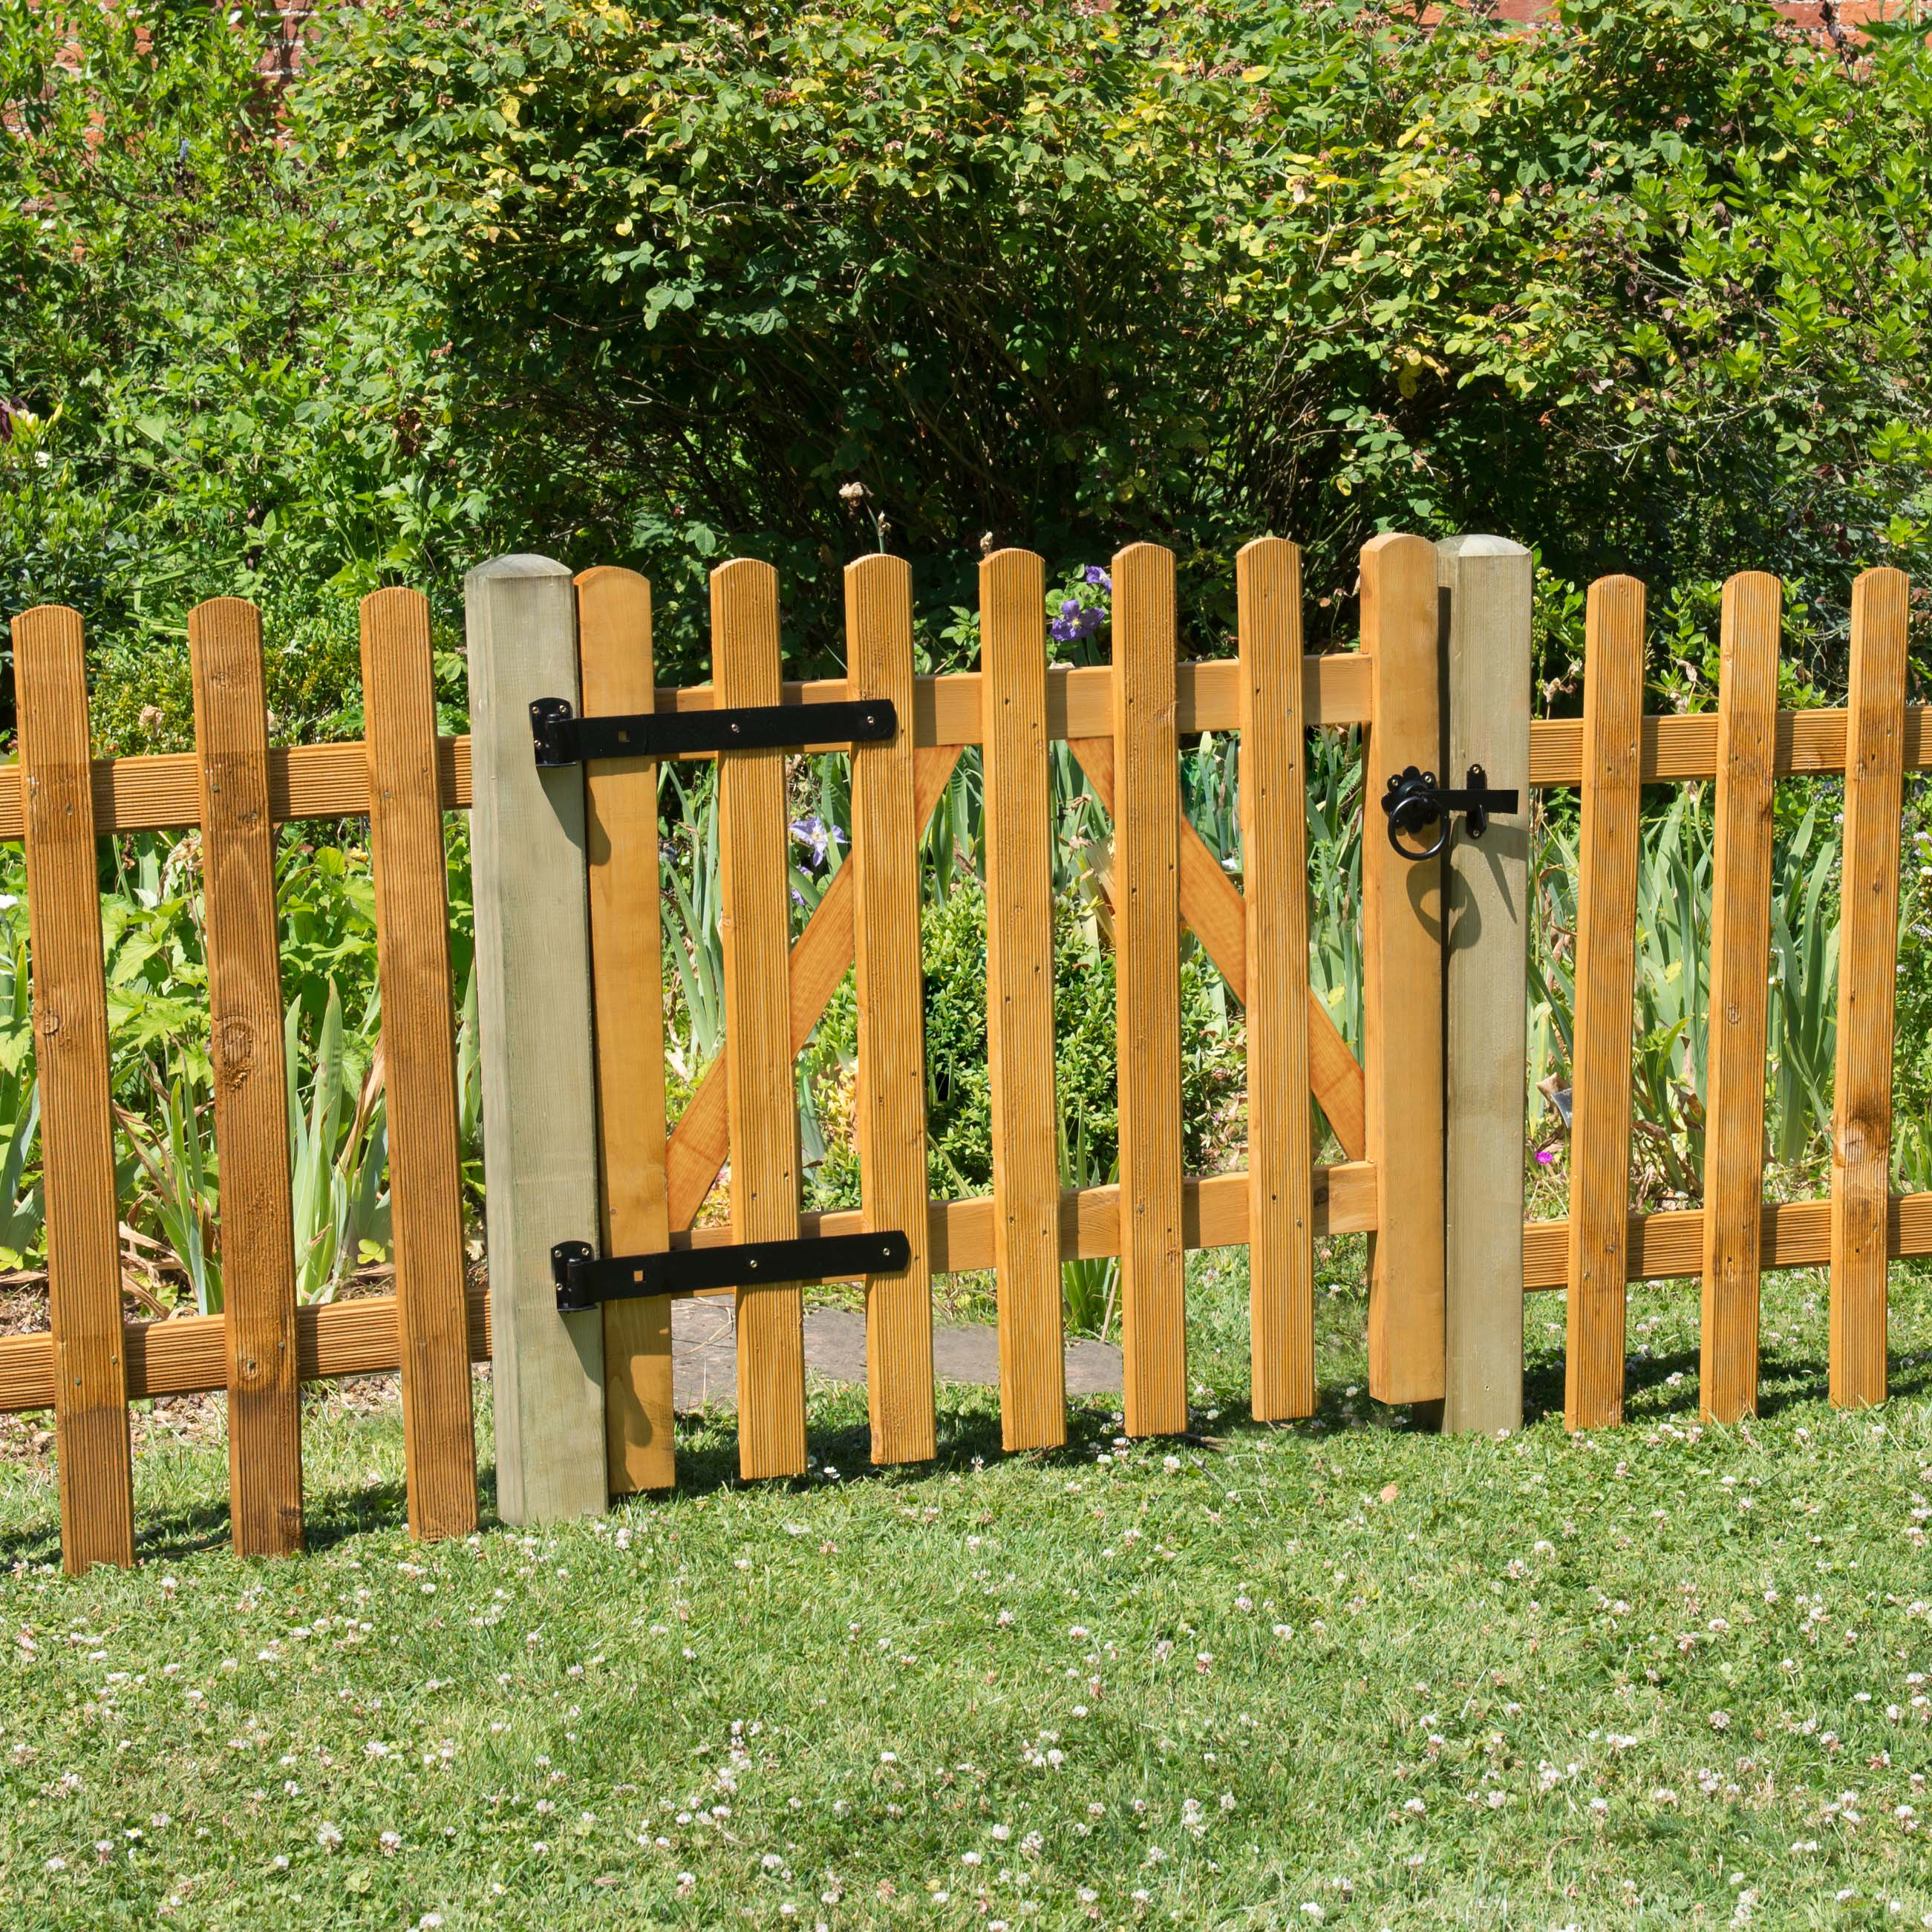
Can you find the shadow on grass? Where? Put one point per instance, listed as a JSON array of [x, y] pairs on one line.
[[968, 1439], [1649, 1394]]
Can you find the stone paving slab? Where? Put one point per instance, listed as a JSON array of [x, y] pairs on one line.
[[704, 1353]]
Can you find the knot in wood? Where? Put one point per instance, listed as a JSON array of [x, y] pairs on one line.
[[234, 1048]]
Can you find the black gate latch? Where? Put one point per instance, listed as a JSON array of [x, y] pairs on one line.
[[1414, 800], [583, 1281], [562, 738]]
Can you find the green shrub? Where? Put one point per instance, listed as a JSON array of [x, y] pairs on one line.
[[958, 1100], [1647, 288]]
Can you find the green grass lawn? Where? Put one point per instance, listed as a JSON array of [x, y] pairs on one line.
[[1342, 1673]]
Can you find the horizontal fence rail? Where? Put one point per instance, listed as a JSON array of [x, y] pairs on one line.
[[161, 792]]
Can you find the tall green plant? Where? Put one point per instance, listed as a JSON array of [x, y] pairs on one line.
[[338, 1152]]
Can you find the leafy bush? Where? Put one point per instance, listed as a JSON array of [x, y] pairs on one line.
[[196, 396], [958, 1100], [1647, 288]]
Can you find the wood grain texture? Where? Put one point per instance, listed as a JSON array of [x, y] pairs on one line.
[[891, 989], [187, 1354], [539, 1095], [1147, 966], [1605, 981], [620, 814], [762, 1106], [1214, 1214], [70, 1008], [1018, 859], [329, 780], [1274, 870], [1402, 919], [1740, 952], [819, 960], [1488, 581], [163, 792], [410, 868], [250, 1081], [1212, 909], [1676, 747], [1867, 983]]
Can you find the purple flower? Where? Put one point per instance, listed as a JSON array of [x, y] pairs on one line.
[[1062, 629], [1090, 620], [1099, 577], [1546, 1156], [819, 836], [1069, 607]]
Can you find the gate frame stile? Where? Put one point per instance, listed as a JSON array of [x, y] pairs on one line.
[[533, 898], [1402, 957]]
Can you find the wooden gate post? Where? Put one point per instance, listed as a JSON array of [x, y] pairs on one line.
[[1486, 583], [533, 991]]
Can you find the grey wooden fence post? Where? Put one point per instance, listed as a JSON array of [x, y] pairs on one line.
[[1487, 587], [539, 1093]]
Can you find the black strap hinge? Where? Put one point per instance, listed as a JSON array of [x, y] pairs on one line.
[[583, 1281], [562, 738]]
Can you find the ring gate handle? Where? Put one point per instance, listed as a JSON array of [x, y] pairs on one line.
[[1414, 800]]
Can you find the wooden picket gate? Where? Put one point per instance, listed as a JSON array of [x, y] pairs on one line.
[[569, 945]]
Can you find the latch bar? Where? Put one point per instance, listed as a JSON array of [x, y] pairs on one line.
[[583, 1280], [562, 738]]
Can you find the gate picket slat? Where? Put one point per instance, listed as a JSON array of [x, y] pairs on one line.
[[1740, 954], [891, 1001], [251, 1134], [1600, 1071], [1018, 859], [1401, 925], [1274, 869], [1867, 986], [70, 1005], [823, 951], [409, 864], [762, 1102], [1147, 921], [620, 814]]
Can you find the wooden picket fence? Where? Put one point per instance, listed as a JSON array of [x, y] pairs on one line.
[[1746, 745], [1430, 1121], [92, 1363]]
